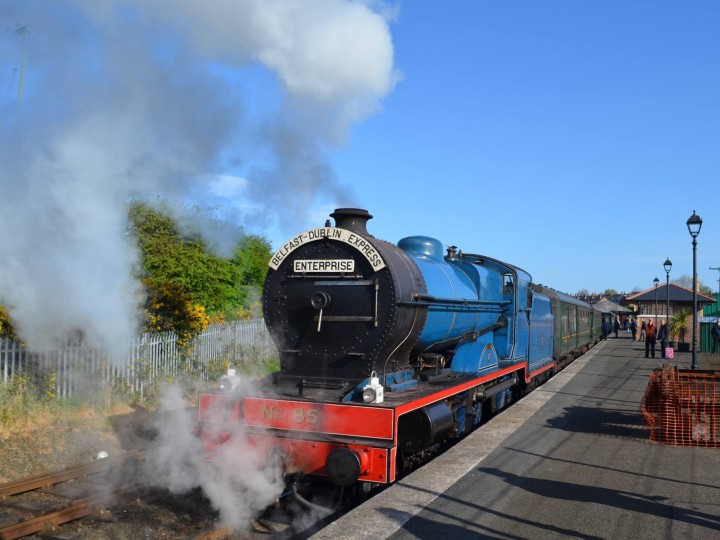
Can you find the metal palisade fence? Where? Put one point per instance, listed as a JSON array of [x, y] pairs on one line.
[[61, 370]]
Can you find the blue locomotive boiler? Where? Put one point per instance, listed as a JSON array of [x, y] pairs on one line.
[[344, 306]]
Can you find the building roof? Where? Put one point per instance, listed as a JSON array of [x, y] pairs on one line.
[[596, 298], [609, 306], [618, 298], [678, 294]]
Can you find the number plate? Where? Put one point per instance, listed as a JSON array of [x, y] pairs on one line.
[[351, 420]]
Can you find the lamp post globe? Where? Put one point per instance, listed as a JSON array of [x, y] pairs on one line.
[[655, 282], [694, 224]]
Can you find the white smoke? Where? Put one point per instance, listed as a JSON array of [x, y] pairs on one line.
[[146, 98], [240, 481]]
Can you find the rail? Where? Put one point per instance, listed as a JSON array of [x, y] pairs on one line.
[[32, 516]]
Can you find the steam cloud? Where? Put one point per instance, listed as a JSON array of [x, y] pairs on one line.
[[240, 482], [164, 97]]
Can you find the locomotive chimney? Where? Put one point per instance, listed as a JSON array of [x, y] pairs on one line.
[[352, 219]]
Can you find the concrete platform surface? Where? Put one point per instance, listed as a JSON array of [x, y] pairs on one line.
[[570, 460]]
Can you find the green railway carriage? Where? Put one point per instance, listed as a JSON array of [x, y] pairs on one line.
[[575, 325]]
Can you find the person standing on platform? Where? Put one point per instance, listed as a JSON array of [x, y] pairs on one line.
[[662, 337], [650, 333], [716, 336], [633, 328], [642, 331], [617, 325], [605, 328]]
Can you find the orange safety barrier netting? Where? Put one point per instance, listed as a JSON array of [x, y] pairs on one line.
[[682, 407]]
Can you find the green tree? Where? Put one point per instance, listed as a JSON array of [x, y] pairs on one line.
[[251, 259], [609, 292], [181, 264], [687, 282], [183, 261]]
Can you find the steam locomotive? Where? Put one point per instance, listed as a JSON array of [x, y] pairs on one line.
[[389, 352]]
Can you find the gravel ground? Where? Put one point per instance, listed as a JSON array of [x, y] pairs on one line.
[[50, 444]]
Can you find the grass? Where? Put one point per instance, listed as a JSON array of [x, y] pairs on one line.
[[28, 413], [39, 433]]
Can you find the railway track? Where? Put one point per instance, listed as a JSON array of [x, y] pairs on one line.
[[43, 502]]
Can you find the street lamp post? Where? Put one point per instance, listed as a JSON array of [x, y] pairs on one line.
[[694, 223], [667, 265], [656, 281]]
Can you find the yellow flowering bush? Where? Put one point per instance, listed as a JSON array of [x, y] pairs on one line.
[[170, 309], [6, 327]]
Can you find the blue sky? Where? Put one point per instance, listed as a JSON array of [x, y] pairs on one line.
[[573, 139], [570, 138]]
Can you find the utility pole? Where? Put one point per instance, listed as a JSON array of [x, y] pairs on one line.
[[718, 269], [23, 32]]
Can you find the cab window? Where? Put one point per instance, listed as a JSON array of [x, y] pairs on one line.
[[508, 284]]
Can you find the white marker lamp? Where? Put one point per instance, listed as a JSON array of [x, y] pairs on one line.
[[373, 392]]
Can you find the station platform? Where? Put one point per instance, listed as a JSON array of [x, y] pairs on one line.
[[571, 459]]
